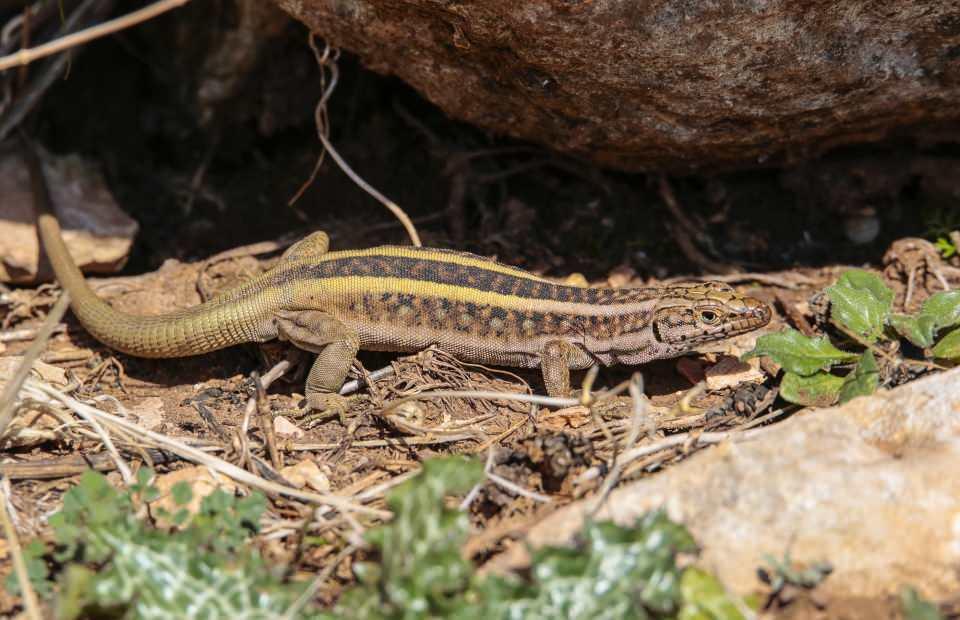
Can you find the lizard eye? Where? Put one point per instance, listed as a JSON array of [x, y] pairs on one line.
[[710, 317]]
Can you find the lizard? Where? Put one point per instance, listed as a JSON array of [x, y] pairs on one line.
[[405, 299]]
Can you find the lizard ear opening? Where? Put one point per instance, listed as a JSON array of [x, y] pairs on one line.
[[655, 328], [669, 328]]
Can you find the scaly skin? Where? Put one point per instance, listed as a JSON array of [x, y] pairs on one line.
[[405, 299]]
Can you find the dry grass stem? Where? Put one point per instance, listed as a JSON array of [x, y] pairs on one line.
[[26, 56], [513, 487], [27, 592], [638, 422], [40, 390], [9, 397]]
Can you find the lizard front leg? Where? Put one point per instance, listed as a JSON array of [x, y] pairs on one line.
[[314, 244], [336, 346], [555, 360]]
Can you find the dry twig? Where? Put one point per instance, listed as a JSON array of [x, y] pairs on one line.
[[26, 56]]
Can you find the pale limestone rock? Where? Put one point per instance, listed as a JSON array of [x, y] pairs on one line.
[[202, 483], [149, 412], [870, 487], [285, 428], [306, 473]]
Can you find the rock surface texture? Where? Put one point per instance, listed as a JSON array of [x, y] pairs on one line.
[[97, 232], [868, 486], [669, 84]]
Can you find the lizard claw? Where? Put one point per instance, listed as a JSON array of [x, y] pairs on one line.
[[320, 405]]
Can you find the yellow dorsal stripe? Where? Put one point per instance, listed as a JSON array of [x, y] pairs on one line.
[[439, 256], [375, 285]]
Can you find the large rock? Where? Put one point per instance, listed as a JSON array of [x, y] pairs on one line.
[[871, 487], [666, 83]]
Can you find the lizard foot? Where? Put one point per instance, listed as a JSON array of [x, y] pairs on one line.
[[321, 406]]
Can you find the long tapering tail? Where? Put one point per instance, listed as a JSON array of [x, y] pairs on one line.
[[210, 326]]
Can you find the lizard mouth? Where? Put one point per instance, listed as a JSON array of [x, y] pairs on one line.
[[756, 314]]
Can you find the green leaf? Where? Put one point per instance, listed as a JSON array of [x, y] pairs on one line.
[[207, 569], [616, 572], [861, 302], [938, 312], [421, 569], [864, 379], [949, 346], [915, 607], [37, 571], [818, 390], [943, 309], [704, 598], [799, 354], [181, 493], [918, 329], [947, 249]]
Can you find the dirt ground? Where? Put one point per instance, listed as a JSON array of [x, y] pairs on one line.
[[200, 189]]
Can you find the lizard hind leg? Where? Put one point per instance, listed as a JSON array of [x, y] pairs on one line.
[[336, 347], [314, 244]]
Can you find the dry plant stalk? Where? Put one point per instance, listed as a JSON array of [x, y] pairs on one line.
[[28, 55]]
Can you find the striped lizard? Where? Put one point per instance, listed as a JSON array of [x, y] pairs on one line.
[[406, 299]]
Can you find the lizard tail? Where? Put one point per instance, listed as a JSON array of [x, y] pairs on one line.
[[214, 325]]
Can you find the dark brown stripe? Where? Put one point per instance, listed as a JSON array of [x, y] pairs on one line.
[[475, 278]]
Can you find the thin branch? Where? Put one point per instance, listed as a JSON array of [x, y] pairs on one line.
[[354, 385], [28, 333], [26, 56], [30, 95], [547, 401]]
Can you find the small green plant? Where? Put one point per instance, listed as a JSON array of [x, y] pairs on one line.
[[118, 564], [114, 563], [940, 222], [782, 573], [946, 247], [861, 306], [615, 572], [915, 607]]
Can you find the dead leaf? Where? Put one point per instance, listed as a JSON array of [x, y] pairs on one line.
[[53, 375], [566, 418], [730, 371]]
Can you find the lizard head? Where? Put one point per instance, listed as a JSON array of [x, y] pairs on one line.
[[690, 315]]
